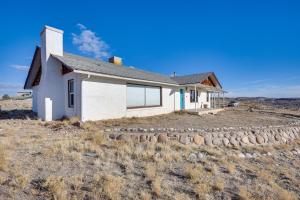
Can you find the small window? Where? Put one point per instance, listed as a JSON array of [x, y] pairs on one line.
[[71, 93], [207, 96], [192, 96]]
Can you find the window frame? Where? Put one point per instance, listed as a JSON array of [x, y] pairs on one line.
[[145, 106], [207, 97], [71, 93], [192, 96]]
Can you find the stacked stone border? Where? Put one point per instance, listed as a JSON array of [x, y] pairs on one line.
[[227, 136]]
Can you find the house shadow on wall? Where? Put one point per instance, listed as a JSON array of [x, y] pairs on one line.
[[17, 114]]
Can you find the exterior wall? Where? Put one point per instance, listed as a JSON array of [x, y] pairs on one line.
[[76, 110], [35, 93], [104, 98], [202, 97]]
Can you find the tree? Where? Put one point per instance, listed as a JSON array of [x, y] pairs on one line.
[[5, 97]]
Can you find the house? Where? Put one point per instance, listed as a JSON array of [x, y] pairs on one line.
[[68, 85], [23, 94]]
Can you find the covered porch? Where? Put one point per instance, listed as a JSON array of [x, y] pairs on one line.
[[215, 97]]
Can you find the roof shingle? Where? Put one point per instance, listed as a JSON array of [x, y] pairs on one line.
[[91, 65]]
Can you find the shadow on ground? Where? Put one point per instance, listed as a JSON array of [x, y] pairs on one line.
[[17, 114]]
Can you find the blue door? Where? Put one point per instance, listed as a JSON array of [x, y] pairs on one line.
[[181, 99]]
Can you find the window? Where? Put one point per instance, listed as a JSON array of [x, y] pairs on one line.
[[192, 96], [143, 96], [207, 96], [71, 93]]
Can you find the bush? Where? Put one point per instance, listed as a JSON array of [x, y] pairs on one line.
[[5, 97]]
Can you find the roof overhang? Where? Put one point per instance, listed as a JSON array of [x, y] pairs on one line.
[[34, 68], [206, 87], [123, 78]]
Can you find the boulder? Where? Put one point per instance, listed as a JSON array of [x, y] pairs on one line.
[[260, 139], [277, 137], [225, 141], [153, 139], [245, 140], [217, 141], [233, 142], [199, 140], [208, 141], [184, 140], [252, 139], [162, 138], [143, 138]]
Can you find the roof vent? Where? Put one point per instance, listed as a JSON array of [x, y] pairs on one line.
[[115, 60]]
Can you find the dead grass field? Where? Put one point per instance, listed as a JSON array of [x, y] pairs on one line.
[[39, 162]]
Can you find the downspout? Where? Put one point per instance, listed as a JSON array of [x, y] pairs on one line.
[[81, 106]]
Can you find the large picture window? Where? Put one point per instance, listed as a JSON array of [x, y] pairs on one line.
[[192, 96], [71, 93], [143, 96]]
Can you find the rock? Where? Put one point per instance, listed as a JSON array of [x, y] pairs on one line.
[[259, 139], [199, 140], [208, 141], [225, 142], [277, 137], [200, 155], [245, 140], [162, 138], [153, 139], [107, 130], [227, 135], [184, 140], [151, 130], [124, 137], [248, 155], [233, 142], [90, 154], [252, 139], [241, 155], [192, 157], [269, 154], [143, 138], [217, 141]]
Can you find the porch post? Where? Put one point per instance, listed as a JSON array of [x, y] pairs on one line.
[[223, 100], [195, 97]]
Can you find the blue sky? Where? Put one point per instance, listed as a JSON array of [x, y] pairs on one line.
[[252, 46]]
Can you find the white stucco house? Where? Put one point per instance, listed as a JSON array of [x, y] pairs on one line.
[[66, 85]]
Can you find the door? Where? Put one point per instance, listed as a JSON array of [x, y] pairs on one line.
[[181, 99]]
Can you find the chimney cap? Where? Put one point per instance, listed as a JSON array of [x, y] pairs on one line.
[[115, 60], [52, 29]]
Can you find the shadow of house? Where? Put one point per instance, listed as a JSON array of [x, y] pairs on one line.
[[17, 114]]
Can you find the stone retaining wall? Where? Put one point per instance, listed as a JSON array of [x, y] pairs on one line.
[[231, 137]]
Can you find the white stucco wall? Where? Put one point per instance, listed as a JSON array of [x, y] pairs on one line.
[[76, 110], [104, 98], [35, 98], [201, 99]]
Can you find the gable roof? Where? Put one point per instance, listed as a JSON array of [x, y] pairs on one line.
[[75, 62], [34, 68], [195, 78]]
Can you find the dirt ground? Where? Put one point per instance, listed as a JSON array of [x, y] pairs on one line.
[[40, 162]]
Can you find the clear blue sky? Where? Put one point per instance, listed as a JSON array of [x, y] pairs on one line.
[[252, 46]]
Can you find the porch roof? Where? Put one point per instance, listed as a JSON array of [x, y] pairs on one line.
[[206, 87]]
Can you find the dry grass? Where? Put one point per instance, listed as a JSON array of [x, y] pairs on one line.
[[201, 189], [219, 185], [243, 193], [112, 186], [97, 138], [150, 171], [57, 187], [181, 196], [145, 195], [156, 186], [194, 172], [3, 159]]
